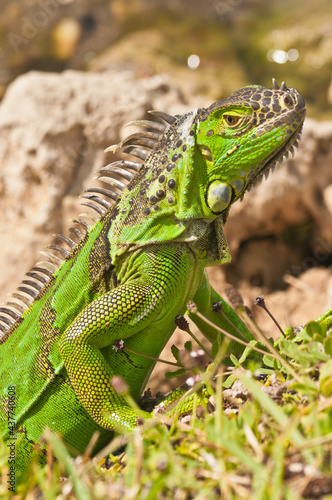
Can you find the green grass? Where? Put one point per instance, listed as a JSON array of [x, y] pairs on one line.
[[266, 433]]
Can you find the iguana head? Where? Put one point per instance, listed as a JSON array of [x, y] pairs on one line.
[[196, 165], [242, 137]]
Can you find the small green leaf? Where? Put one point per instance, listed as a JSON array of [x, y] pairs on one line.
[[270, 362], [318, 337], [188, 346], [302, 336], [323, 328], [177, 373], [313, 327], [175, 351], [234, 360], [290, 349], [247, 351], [317, 351], [229, 381], [266, 371], [301, 354], [328, 345], [326, 386], [289, 332], [325, 378]]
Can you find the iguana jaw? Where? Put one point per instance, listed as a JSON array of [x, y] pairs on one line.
[[225, 193], [269, 163]]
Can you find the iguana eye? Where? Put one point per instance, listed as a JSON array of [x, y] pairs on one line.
[[232, 120]]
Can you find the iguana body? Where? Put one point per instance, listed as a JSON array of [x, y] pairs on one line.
[[136, 268]]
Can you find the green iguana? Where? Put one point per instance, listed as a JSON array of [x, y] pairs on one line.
[[135, 269]]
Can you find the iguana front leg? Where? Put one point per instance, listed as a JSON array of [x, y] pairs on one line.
[[141, 311], [118, 314]]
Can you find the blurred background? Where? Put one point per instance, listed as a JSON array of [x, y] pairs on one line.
[[209, 47]]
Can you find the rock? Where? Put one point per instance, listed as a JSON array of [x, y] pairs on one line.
[[263, 262], [305, 298]]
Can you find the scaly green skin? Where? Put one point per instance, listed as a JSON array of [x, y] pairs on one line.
[[136, 269]]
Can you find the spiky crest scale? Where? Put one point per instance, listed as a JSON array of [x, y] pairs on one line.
[[136, 145]]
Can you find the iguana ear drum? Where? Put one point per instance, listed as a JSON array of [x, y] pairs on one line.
[[218, 196]]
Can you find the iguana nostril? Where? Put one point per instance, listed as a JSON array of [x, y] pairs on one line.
[[288, 100]]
